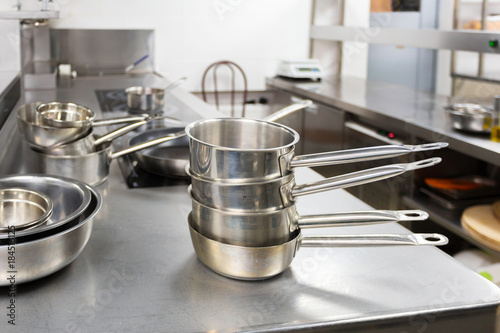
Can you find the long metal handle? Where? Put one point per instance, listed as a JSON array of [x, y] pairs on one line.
[[119, 132], [175, 84], [360, 177], [361, 218], [372, 240], [288, 110], [147, 144], [130, 119], [361, 154]]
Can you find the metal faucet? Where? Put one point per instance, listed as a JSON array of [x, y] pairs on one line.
[[45, 4]]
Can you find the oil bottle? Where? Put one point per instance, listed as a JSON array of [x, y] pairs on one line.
[[495, 129]]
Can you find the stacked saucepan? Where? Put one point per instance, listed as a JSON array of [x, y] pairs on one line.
[[63, 142], [244, 222], [45, 222]]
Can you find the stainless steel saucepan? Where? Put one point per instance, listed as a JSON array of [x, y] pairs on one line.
[[281, 192], [38, 134], [147, 99], [92, 168], [280, 226], [91, 143], [258, 263], [255, 150]]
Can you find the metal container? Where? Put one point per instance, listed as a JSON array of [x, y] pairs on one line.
[[39, 257], [69, 198], [147, 99], [23, 209], [259, 150], [59, 114], [41, 136], [258, 263], [472, 117], [92, 168], [281, 192], [280, 226]]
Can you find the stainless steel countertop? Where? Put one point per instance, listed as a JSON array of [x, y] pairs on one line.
[[397, 107], [139, 272]]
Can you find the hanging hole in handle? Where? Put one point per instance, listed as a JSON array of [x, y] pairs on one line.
[[412, 214], [428, 162], [432, 238], [434, 145]]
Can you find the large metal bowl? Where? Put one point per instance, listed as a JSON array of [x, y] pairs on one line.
[[37, 257], [471, 118], [69, 197]]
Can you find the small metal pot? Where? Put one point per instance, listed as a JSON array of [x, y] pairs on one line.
[[42, 136], [147, 99], [92, 168], [259, 263], [259, 150], [90, 143], [23, 209], [280, 226], [279, 193]]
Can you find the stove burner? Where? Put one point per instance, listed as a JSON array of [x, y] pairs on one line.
[[112, 100]]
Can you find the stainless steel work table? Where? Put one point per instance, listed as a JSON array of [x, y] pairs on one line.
[[394, 107], [139, 272]]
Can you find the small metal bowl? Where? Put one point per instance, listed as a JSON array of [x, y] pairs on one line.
[[471, 118], [65, 115], [22, 209]]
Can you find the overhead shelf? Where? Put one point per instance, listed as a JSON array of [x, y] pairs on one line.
[[458, 40]]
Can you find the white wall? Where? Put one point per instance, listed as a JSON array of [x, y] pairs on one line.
[[190, 35]]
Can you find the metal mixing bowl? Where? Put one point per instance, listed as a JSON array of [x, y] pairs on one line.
[[69, 197], [22, 209]]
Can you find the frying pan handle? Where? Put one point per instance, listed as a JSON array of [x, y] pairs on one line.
[[147, 144], [360, 154], [355, 178], [288, 110], [372, 240], [361, 218]]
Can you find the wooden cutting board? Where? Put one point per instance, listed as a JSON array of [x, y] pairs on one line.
[[482, 224], [496, 209]]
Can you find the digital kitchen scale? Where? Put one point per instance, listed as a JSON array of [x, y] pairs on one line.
[[300, 69]]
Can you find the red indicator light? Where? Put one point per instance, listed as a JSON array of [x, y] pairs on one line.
[[391, 135]]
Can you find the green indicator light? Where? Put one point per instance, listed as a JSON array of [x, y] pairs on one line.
[[493, 43]]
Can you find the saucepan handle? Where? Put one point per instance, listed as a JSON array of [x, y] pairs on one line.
[[129, 119], [360, 218], [290, 191], [373, 240], [360, 154]]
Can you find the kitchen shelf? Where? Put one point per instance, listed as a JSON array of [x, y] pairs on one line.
[[458, 40], [448, 219]]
